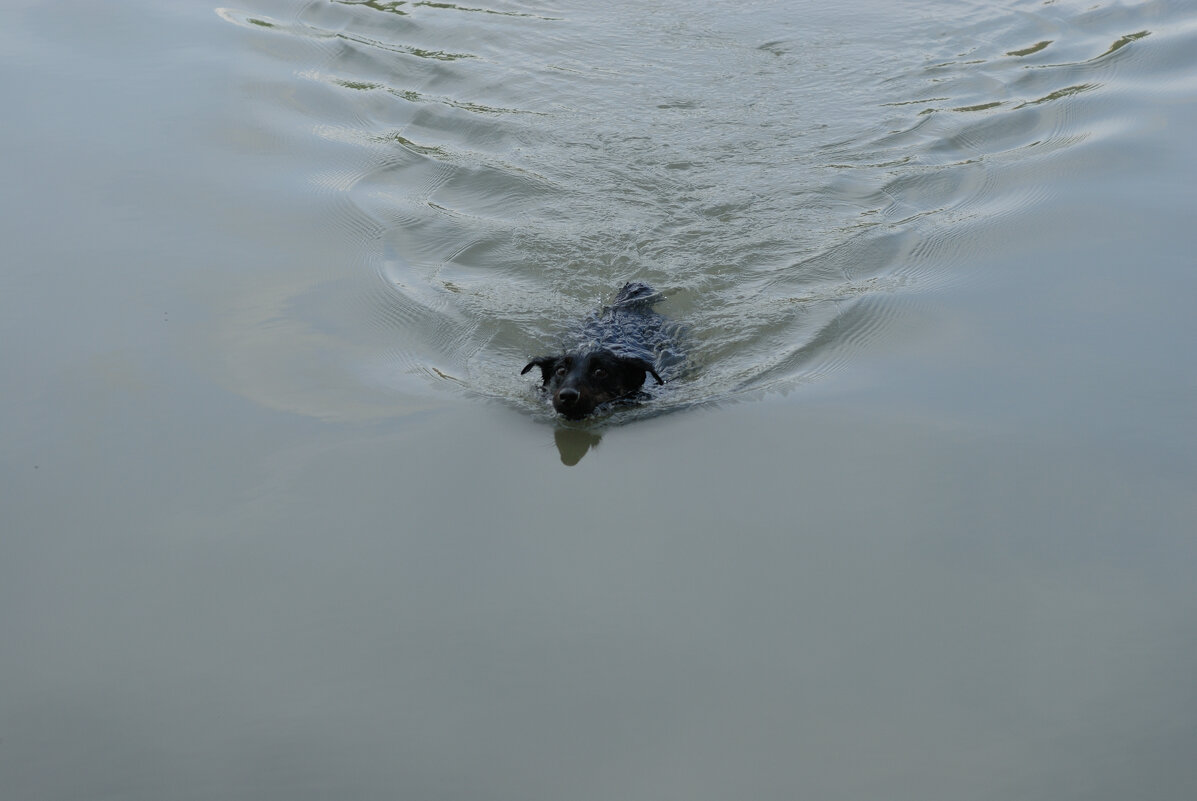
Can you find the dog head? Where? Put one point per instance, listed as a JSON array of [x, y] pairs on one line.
[[579, 382]]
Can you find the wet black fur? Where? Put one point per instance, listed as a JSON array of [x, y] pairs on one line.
[[615, 351]]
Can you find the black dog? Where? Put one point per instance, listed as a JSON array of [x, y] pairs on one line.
[[616, 349]]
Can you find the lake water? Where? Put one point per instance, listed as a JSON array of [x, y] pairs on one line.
[[280, 518]]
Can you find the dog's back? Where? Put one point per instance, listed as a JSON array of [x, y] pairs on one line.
[[629, 326]]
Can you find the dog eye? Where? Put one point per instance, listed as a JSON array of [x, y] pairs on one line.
[[561, 371], [598, 372]]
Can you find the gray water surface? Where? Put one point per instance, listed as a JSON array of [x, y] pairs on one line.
[[280, 519]]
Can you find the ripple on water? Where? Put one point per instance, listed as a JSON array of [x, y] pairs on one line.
[[503, 171]]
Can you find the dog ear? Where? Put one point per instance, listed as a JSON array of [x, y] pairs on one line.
[[545, 363], [645, 365]]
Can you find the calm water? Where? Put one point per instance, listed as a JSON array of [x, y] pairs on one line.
[[280, 519]]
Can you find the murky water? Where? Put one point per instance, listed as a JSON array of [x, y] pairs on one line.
[[282, 519]]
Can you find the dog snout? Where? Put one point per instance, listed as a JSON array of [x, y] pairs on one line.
[[567, 397]]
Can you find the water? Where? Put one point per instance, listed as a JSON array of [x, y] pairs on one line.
[[281, 519]]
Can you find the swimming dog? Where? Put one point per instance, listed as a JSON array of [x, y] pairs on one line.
[[614, 352]]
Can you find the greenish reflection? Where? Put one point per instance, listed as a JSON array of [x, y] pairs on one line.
[[1123, 42], [1067, 91], [1026, 51]]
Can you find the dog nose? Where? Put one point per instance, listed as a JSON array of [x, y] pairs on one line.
[[567, 396]]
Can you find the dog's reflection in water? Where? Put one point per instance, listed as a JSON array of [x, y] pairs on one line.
[[574, 443]]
